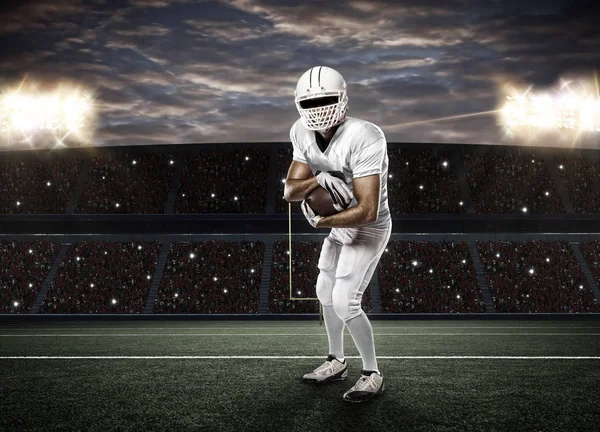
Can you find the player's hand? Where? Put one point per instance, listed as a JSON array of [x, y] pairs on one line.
[[334, 182], [309, 214]]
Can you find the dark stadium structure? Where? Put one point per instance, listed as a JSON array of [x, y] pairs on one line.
[[201, 231]]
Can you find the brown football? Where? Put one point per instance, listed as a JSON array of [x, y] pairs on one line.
[[320, 202]]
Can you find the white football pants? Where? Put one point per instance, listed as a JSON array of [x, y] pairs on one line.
[[348, 259]]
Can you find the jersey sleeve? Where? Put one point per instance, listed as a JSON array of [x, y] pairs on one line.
[[297, 154], [368, 160]]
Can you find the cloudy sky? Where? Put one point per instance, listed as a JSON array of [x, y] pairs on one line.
[[180, 71]]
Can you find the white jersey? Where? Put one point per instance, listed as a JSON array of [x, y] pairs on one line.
[[357, 149]]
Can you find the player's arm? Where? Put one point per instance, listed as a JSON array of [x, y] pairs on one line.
[[367, 192], [299, 182]]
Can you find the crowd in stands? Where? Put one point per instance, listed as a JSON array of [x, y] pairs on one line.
[[25, 266], [305, 257], [422, 181], [37, 186], [283, 164], [428, 277], [127, 184], [536, 276], [591, 254], [103, 277], [211, 277], [509, 183], [230, 181], [581, 177]]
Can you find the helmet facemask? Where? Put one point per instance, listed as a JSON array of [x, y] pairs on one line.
[[324, 111]]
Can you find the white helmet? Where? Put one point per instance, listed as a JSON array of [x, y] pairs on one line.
[[317, 83]]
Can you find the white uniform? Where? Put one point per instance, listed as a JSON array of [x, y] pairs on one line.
[[357, 149], [349, 255]]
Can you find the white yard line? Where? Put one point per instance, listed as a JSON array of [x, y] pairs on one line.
[[286, 334], [292, 357]]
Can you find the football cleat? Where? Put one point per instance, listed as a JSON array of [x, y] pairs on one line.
[[331, 370], [365, 388]]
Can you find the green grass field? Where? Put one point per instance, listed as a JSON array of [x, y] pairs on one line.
[[429, 386]]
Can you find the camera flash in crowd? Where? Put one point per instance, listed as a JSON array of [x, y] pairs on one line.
[[16, 304], [546, 193], [91, 285], [497, 255], [430, 270], [176, 295], [524, 209], [251, 270], [114, 301], [225, 290], [445, 164], [192, 256], [18, 203], [134, 162], [547, 259], [78, 258], [414, 263], [139, 247], [531, 271], [215, 278], [117, 205], [171, 162], [30, 251], [148, 277], [30, 285], [235, 198], [48, 184], [464, 261], [560, 167], [421, 187]]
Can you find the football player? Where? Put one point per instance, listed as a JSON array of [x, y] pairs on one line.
[[348, 157]]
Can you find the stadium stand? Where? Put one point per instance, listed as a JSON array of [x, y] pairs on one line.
[[422, 181], [428, 277], [211, 277], [37, 186], [228, 181], [283, 164], [25, 266], [536, 276], [508, 183], [103, 277], [581, 177], [128, 184]]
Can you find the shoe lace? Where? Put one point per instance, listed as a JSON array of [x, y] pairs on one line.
[[364, 383], [325, 367]]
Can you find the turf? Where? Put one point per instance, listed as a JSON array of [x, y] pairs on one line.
[[441, 394]]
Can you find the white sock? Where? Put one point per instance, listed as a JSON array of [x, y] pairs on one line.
[[362, 333], [335, 332]]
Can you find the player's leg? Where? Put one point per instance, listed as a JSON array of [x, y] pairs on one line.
[[357, 263], [335, 367], [328, 261]]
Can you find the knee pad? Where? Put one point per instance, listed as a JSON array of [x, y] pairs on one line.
[[344, 307], [325, 283]]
